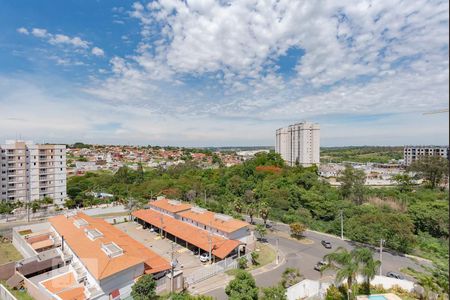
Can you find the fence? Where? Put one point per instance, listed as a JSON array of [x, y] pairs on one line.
[[214, 269], [5, 294]]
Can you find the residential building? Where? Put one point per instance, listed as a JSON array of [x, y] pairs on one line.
[[299, 144], [31, 171], [197, 228], [412, 153], [91, 259]]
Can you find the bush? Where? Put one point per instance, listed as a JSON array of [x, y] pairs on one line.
[[242, 263], [333, 293]]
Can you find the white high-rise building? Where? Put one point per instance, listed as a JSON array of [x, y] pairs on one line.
[[30, 172], [299, 143]]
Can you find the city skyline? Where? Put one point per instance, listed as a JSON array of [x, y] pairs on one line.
[[205, 73]]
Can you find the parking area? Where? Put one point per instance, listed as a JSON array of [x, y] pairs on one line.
[[187, 261]]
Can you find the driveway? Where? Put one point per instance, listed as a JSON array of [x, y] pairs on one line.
[[164, 247]]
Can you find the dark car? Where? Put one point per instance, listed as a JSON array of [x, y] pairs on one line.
[[394, 275], [268, 225], [326, 244], [320, 265]]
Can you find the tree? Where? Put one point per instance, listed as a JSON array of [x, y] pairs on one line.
[[262, 231], [368, 266], [351, 263], [274, 293], [297, 229], [249, 197], [352, 184], [252, 210], [264, 211], [144, 288], [404, 182], [242, 287], [432, 168], [290, 277], [346, 265], [238, 205]]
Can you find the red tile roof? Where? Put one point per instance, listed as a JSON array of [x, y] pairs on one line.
[[172, 206], [189, 233], [211, 219], [90, 252]]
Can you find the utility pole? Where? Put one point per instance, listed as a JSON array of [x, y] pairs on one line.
[[381, 256], [342, 225], [162, 226]]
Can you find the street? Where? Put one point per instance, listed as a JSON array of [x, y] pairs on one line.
[[304, 254]]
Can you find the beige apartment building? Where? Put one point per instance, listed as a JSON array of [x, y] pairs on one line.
[[31, 171], [299, 143]]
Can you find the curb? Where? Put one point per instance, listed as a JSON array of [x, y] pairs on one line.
[[254, 272]]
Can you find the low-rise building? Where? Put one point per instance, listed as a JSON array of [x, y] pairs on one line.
[[101, 261]]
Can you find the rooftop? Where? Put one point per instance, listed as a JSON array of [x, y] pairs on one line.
[[125, 252], [65, 287], [189, 233], [172, 206], [218, 221]]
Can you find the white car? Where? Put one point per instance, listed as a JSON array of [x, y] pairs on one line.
[[204, 257]]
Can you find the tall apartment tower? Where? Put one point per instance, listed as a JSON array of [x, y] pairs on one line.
[[299, 143], [412, 153], [30, 172]]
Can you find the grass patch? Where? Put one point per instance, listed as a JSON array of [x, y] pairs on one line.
[[266, 256], [20, 295], [8, 253]]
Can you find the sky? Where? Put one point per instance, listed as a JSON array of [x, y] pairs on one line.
[[223, 73]]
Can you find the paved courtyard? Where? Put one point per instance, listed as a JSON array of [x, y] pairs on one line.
[[163, 246]]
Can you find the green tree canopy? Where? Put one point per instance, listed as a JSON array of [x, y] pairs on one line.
[[242, 287], [144, 288]]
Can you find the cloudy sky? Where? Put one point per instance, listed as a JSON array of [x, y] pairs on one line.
[[215, 73]]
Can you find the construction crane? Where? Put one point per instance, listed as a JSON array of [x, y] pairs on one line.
[[438, 111]]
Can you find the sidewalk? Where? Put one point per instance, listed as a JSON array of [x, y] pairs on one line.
[[221, 280]]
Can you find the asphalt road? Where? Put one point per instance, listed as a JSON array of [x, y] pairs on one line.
[[305, 254]]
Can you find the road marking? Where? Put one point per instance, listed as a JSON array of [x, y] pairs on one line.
[[157, 238], [182, 250]]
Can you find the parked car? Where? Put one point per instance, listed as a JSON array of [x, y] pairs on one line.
[[320, 265], [394, 275], [204, 257], [195, 252], [152, 229], [326, 244]]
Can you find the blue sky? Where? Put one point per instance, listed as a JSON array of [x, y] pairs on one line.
[[210, 73]]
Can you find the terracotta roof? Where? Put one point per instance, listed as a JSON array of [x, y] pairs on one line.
[[42, 244], [90, 252], [189, 233], [172, 206], [227, 224], [65, 287]]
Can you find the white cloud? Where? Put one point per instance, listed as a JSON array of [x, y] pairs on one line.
[[39, 32], [23, 30], [97, 51]]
